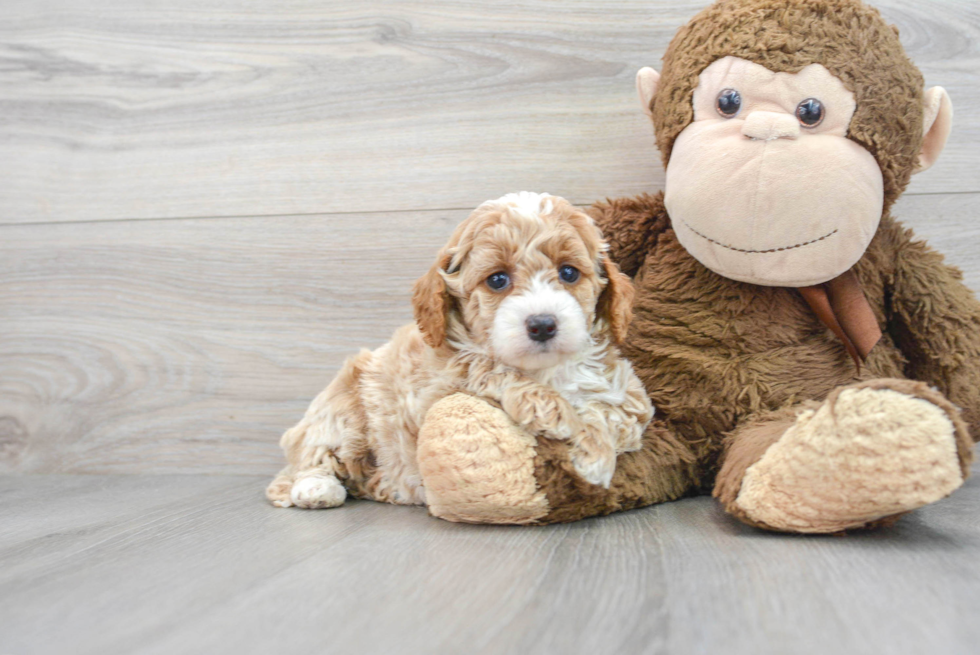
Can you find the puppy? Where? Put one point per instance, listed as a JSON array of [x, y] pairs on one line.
[[523, 308]]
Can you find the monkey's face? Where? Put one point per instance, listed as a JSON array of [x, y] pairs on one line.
[[764, 186]]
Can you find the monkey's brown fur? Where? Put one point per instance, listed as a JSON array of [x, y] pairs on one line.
[[729, 365], [850, 39], [719, 357]]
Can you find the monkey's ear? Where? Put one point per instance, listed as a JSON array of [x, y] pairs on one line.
[[431, 302], [937, 121], [616, 300], [647, 80]]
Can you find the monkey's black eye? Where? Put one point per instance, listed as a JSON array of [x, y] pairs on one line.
[[728, 103], [498, 281], [810, 112], [568, 274]]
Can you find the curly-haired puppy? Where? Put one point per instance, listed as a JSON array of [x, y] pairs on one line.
[[523, 308]]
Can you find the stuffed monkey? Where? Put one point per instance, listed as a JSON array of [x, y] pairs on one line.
[[811, 364]]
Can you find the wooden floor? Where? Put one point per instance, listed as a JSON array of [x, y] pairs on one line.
[[200, 564], [206, 205]]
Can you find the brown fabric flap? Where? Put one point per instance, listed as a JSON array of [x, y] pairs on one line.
[[819, 301], [840, 304], [853, 312]]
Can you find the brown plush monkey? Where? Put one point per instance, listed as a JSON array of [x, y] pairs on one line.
[[788, 128]]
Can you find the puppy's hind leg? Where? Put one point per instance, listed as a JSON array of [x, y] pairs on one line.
[[334, 424], [310, 488], [317, 489]]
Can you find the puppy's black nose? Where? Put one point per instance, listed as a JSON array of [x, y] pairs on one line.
[[541, 327]]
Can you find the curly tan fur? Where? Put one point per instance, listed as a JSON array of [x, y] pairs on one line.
[[362, 430]]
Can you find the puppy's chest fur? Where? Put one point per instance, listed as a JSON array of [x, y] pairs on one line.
[[596, 375], [404, 378], [399, 382]]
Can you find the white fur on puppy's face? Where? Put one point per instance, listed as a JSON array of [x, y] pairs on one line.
[[509, 337], [530, 238]]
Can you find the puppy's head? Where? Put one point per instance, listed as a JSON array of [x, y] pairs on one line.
[[526, 279]]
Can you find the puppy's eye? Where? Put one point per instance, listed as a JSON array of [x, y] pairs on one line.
[[810, 112], [498, 281], [728, 103], [568, 274]]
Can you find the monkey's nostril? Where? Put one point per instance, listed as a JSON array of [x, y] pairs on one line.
[[541, 327]]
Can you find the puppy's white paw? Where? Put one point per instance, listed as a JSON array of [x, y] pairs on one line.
[[317, 492], [595, 468]]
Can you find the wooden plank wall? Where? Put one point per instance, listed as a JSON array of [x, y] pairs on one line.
[[205, 206]]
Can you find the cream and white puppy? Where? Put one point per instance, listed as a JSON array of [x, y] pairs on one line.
[[523, 308]]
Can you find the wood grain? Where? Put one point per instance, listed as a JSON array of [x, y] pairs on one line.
[[174, 564], [115, 110], [190, 345], [157, 345]]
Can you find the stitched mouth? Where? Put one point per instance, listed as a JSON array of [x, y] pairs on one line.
[[798, 245]]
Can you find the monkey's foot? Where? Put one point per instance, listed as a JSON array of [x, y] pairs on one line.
[[870, 451]]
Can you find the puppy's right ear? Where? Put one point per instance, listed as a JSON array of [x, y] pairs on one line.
[[616, 300], [431, 302]]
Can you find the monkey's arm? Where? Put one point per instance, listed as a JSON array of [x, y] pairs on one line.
[[935, 321], [631, 227]]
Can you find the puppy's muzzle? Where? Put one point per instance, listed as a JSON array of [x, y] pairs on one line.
[[541, 327]]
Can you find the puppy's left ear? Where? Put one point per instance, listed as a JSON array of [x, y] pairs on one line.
[[616, 300], [431, 302]]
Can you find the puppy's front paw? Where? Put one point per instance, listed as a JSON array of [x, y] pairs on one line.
[[566, 425], [629, 438], [543, 411], [596, 463]]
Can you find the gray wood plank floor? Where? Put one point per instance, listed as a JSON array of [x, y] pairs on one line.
[[205, 206], [198, 564]]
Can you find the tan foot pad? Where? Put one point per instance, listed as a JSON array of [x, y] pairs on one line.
[[477, 465], [864, 455]]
